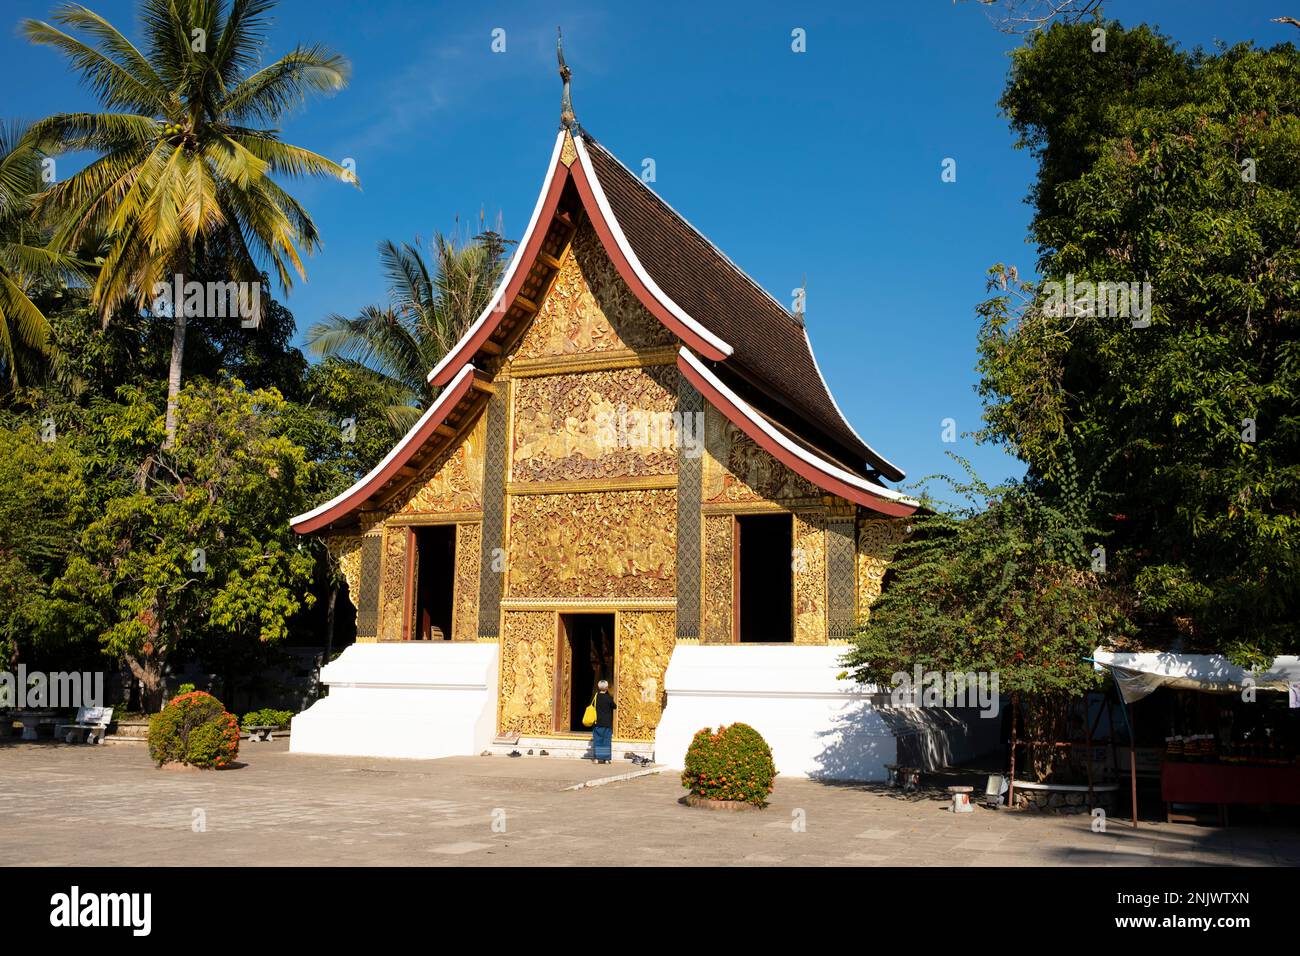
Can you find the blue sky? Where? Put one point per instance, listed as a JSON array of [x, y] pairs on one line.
[[825, 163]]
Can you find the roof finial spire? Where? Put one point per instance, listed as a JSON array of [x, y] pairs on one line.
[[567, 118]]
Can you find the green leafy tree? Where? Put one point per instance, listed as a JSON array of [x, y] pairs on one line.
[[43, 501], [1181, 171], [1003, 582], [199, 549], [343, 423], [188, 152]]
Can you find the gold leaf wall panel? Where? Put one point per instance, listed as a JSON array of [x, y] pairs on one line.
[[608, 544], [718, 594], [468, 556], [346, 551], [737, 470], [590, 308], [809, 572], [645, 643], [604, 424], [527, 698], [453, 482], [392, 600], [876, 540]]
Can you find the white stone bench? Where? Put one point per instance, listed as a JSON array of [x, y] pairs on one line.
[[93, 720], [261, 733]]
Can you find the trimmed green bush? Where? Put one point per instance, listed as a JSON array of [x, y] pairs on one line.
[[194, 729], [267, 717], [733, 764]]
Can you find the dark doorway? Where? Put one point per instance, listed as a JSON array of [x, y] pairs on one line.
[[766, 609], [435, 574], [586, 656]]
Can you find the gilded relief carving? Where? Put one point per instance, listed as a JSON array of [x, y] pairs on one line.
[[528, 644], [718, 595], [453, 482], [736, 469], [645, 643], [607, 424], [569, 151], [346, 552], [809, 566], [468, 554], [602, 544], [393, 587], [590, 308], [877, 539]]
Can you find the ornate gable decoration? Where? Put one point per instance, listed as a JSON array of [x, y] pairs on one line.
[[453, 482], [736, 469], [590, 308]]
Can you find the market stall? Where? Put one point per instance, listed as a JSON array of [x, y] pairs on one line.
[[1233, 734]]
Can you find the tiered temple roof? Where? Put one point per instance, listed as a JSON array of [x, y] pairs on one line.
[[745, 353]]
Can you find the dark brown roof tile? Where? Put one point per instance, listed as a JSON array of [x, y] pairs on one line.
[[772, 355]]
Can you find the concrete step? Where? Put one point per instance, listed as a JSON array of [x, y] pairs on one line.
[[130, 728], [118, 740]]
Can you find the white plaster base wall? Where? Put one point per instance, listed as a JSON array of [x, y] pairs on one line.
[[817, 725], [416, 699]]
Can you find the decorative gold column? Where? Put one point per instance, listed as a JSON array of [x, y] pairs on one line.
[[719, 595], [877, 539], [527, 699], [393, 587], [645, 643], [466, 601], [809, 557]]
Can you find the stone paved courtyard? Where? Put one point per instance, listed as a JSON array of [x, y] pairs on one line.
[[63, 805]]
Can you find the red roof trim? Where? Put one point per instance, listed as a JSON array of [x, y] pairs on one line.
[[410, 444], [819, 477], [468, 347]]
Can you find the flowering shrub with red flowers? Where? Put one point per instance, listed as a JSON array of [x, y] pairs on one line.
[[194, 729], [733, 764]]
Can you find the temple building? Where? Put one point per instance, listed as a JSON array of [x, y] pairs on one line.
[[633, 470]]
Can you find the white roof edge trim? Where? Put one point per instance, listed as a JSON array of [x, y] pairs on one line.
[[830, 394], [707, 241], [509, 274], [802, 453], [397, 449], [626, 248]]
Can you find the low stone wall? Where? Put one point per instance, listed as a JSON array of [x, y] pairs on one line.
[[1065, 802]]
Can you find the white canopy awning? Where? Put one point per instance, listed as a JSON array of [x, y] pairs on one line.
[[1137, 675]]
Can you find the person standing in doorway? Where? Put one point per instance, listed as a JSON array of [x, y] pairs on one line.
[[602, 734]]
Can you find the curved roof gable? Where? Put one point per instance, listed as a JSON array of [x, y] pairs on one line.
[[744, 352]]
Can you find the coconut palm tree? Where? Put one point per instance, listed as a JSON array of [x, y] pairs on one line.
[[188, 148], [25, 261], [431, 302]]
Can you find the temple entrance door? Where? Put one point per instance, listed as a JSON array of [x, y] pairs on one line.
[[764, 572], [433, 575], [586, 655]]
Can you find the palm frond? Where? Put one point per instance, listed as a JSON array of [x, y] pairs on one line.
[[286, 84], [288, 160], [113, 84]]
